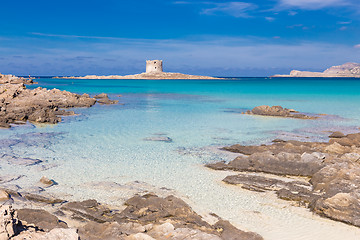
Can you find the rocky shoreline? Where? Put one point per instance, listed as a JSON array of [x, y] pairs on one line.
[[143, 217], [14, 79], [331, 187], [19, 104]]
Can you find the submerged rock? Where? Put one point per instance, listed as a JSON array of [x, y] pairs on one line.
[[103, 98], [159, 139], [278, 111], [20, 161]]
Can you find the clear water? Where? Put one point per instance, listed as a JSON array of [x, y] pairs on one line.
[[106, 144]]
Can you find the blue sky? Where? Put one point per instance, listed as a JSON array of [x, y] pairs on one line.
[[221, 38]]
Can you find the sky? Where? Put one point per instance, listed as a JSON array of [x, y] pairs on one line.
[[217, 38]]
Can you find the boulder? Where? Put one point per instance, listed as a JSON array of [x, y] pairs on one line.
[[40, 218], [278, 111]]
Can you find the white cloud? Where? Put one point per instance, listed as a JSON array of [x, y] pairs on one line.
[[270, 19], [313, 4], [235, 9], [344, 23], [357, 46]]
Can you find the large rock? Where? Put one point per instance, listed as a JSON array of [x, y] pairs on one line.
[[277, 111], [95, 231], [40, 218], [150, 208], [38, 105], [282, 163], [103, 98], [89, 210]]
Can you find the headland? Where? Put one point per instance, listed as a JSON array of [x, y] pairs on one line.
[[346, 70]]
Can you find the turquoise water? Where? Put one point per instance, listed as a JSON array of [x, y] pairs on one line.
[[106, 143]]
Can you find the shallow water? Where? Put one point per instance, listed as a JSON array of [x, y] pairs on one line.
[[106, 144]]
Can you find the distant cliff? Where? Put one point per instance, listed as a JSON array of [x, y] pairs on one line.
[[345, 70]]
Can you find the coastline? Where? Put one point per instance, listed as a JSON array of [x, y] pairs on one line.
[[150, 76], [205, 179]]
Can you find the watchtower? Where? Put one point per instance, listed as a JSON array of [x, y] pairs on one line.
[[153, 66]]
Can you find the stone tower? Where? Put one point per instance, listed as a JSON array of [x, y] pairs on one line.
[[154, 66]]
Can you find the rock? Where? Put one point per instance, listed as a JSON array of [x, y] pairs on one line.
[[40, 218], [336, 178], [88, 210], [159, 139], [61, 234], [95, 231], [19, 104], [55, 234], [167, 230], [139, 236], [101, 95], [9, 225], [103, 98], [229, 232], [41, 199], [4, 125], [47, 182], [4, 195], [282, 163], [337, 135], [150, 208], [344, 207], [333, 167], [14, 80], [277, 111]]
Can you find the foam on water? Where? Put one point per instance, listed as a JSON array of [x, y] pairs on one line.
[[86, 154]]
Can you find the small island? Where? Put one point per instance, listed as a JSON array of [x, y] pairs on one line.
[[348, 70], [154, 70]]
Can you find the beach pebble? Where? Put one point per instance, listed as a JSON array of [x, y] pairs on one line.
[[46, 182]]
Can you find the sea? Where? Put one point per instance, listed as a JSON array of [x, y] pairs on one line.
[[110, 152]]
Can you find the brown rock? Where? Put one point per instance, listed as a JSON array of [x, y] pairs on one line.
[[278, 111], [4, 195], [337, 135], [40, 218], [229, 232], [47, 182], [89, 210]]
